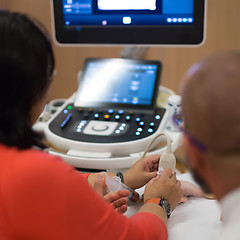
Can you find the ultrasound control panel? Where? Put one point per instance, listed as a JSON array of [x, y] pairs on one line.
[[105, 125]]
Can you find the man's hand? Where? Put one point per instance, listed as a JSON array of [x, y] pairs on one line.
[[141, 172], [166, 186], [117, 199]]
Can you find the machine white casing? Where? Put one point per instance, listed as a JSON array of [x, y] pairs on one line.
[[104, 155]]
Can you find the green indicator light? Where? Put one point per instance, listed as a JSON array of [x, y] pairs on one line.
[[69, 107]]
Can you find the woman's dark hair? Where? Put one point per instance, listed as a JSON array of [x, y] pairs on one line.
[[26, 69]]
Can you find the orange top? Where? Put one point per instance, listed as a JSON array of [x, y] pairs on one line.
[[41, 197]]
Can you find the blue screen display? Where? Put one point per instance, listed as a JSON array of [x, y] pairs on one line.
[[117, 82], [127, 12]]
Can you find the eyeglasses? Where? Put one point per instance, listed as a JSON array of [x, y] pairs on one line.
[[179, 123]]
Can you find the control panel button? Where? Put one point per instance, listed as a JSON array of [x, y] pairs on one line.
[[110, 111], [138, 119], [128, 118], [150, 130], [117, 117], [106, 117], [96, 115], [66, 120], [100, 127], [120, 112]]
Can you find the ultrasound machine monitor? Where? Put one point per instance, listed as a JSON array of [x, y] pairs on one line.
[[114, 109], [118, 83], [138, 22]]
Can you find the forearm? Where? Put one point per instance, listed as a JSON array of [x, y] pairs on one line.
[[156, 210], [129, 180]]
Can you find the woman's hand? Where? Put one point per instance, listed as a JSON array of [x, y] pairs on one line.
[[141, 172], [117, 199]]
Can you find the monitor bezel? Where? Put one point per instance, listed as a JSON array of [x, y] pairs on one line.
[[181, 35]]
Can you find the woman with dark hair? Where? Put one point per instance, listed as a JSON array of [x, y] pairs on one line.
[[26, 67], [41, 197]]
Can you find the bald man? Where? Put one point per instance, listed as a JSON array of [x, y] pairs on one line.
[[211, 110]]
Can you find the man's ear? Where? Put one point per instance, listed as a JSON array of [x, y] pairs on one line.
[[195, 156]]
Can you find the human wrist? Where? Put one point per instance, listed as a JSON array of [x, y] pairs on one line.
[[153, 200], [128, 180], [147, 196], [156, 210], [134, 196], [162, 202]]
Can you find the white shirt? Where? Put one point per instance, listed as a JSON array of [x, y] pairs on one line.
[[230, 205]]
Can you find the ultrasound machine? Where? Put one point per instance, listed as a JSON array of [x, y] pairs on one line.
[[113, 115], [116, 112]]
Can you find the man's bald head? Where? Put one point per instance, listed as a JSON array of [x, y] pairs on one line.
[[211, 102]]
